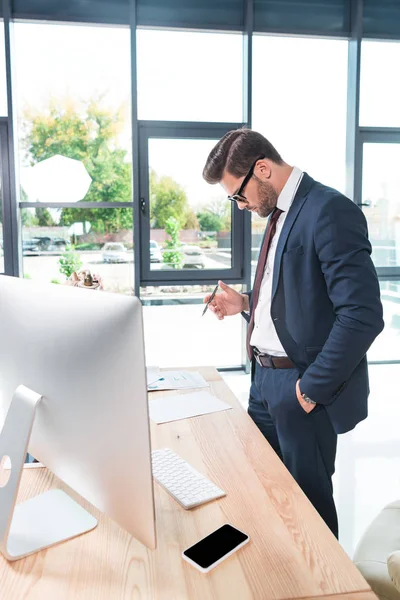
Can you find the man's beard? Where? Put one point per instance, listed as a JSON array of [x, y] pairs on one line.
[[268, 198]]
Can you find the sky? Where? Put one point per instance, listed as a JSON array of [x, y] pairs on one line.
[[299, 89]]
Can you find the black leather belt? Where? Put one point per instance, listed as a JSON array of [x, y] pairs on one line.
[[272, 362]]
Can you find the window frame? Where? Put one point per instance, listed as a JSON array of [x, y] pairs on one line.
[[185, 131]]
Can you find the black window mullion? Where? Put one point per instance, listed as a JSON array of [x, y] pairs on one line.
[[8, 242]]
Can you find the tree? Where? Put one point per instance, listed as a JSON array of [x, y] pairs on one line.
[[44, 218], [191, 220], [223, 209], [28, 218], [209, 222], [91, 137], [168, 199]]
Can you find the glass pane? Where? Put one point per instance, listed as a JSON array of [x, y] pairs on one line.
[[73, 106], [386, 346], [303, 115], [217, 343], [1, 222], [3, 87], [180, 79], [199, 211], [380, 86], [381, 199], [100, 240]]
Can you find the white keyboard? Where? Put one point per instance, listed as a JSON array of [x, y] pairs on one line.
[[189, 487]]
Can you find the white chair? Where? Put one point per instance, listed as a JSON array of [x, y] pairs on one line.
[[378, 553]]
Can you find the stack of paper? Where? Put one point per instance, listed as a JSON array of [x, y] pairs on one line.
[[174, 408], [177, 380]]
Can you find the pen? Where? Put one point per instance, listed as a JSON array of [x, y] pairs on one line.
[[210, 300]]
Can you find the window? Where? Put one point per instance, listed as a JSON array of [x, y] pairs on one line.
[[1, 225], [74, 102], [381, 202], [56, 242], [177, 189], [300, 102], [199, 233], [386, 346], [189, 76], [3, 183], [75, 146], [380, 84]]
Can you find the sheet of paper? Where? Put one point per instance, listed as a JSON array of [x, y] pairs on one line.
[[153, 374], [184, 406], [178, 380]]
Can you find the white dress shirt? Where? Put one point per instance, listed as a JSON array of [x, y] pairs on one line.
[[264, 336]]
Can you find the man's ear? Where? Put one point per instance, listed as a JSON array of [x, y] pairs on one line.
[[263, 169]]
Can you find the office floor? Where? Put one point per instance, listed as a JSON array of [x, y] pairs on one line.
[[368, 460]]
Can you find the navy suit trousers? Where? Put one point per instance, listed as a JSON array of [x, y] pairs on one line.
[[306, 442]]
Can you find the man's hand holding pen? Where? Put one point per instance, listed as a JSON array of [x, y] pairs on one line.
[[227, 302]]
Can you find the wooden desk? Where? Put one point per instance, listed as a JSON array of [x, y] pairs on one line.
[[292, 553]]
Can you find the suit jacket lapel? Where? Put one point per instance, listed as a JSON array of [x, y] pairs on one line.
[[299, 199]]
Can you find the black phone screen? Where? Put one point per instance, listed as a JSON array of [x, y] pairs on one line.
[[222, 541]]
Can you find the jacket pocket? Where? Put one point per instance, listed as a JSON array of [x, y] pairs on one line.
[[297, 250]]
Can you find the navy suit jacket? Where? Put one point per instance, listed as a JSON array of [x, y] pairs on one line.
[[326, 305]]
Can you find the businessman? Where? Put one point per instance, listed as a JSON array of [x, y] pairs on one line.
[[313, 312]]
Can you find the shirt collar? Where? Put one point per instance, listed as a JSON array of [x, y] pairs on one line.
[[289, 190]]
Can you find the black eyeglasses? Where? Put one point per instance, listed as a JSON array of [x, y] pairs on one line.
[[238, 197]]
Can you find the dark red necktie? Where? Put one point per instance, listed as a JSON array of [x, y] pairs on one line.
[[262, 260]]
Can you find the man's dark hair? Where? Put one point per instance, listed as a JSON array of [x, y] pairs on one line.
[[236, 152]]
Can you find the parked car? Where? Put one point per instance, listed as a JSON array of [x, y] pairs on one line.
[[58, 245], [115, 252], [155, 252], [31, 247], [193, 256], [40, 244]]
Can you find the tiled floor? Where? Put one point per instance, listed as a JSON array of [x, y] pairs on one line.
[[368, 461]]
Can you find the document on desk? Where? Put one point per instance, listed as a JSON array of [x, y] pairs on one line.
[[184, 406], [153, 375], [178, 380]]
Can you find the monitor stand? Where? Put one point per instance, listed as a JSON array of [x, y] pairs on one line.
[[42, 521]]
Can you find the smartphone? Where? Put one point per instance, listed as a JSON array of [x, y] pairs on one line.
[[216, 547]]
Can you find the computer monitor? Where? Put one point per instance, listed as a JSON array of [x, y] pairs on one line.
[[82, 351]]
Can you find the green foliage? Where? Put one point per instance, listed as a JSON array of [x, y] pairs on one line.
[[168, 199], [69, 262], [173, 256], [28, 218], [27, 276], [223, 209], [191, 220], [209, 221], [91, 137], [55, 281], [44, 218], [89, 246]]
